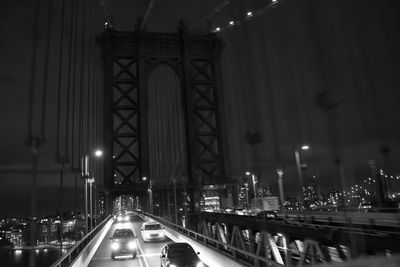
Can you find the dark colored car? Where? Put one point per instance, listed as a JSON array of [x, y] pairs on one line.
[[123, 244], [179, 254]]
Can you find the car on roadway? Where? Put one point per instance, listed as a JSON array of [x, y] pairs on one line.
[[152, 231], [178, 255], [122, 217], [123, 244]]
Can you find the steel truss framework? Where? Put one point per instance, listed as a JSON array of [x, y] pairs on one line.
[[129, 58], [272, 242]]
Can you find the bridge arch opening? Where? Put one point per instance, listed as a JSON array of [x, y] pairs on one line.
[[167, 142]]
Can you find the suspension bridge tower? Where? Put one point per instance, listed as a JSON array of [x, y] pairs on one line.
[[136, 146]]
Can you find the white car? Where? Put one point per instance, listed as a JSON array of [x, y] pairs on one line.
[[152, 231]]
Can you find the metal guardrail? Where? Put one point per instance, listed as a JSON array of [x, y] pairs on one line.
[[72, 254], [357, 218], [235, 253]]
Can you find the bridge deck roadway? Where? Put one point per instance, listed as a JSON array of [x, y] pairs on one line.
[[148, 254]]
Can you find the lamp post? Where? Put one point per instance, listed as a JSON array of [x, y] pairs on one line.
[[150, 191], [247, 194], [91, 181], [85, 175], [98, 153], [254, 181], [279, 172], [299, 170]]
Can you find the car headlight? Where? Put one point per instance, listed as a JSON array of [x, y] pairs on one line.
[[132, 245], [115, 246], [200, 264]]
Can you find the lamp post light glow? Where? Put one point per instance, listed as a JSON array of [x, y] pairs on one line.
[[98, 153]]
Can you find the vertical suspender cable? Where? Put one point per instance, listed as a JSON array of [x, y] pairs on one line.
[[81, 110], [71, 79], [81, 88], [73, 120], [89, 80], [60, 159], [90, 101], [60, 58], [67, 118], [30, 140], [45, 73], [33, 72]]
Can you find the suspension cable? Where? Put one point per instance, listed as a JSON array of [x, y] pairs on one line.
[[81, 91], [33, 74], [148, 13], [67, 118], [75, 167], [30, 140], [210, 14], [89, 74], [60, 55], [250, 15], [45, 73]]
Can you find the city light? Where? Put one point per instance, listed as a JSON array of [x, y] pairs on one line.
[[305, 147], [249, 14]]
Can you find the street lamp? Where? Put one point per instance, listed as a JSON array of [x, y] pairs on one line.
[[279, 172], [98, 153], [91, 182], [150, 190], [299, 170], [254, 181], [86, 175]]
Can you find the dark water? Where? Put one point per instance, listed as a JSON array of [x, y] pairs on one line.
[[43, 258]]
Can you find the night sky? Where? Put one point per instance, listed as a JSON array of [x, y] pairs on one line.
[[280, 73]]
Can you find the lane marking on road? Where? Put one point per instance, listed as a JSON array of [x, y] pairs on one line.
[[150, 255], [140, 248], [100, 258], [140, 256]]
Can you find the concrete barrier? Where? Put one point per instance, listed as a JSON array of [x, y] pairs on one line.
[[87, 253]]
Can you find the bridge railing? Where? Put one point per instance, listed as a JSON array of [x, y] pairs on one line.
[[72, 254], [226, 249]]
